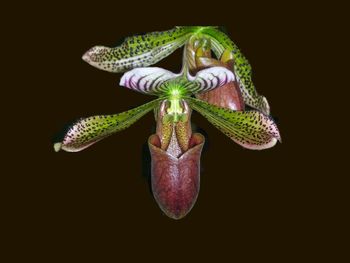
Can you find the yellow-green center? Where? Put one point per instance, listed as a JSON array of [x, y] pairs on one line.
[[175, 94]]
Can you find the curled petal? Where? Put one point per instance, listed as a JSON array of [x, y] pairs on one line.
[[147, 80], [88, 131], [252, 98], [250, 129]]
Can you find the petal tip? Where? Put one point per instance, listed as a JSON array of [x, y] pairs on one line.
[[279, 138], [276, 134], [57, 146], [266, 106], [122, 81], [95, 54], [86, 57]]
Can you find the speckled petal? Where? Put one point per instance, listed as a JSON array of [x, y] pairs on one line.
[[250, 129], [88, 131], [148, 80], [138, 51]]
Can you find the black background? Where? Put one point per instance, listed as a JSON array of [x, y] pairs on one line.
[[97, 205]]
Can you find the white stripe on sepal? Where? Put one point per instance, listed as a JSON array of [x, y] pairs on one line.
[[146, 80]]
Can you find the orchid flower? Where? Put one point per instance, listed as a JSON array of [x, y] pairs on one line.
[[148, 49], [175, 150]]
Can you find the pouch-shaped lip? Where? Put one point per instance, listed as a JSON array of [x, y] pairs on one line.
[[175, 181]]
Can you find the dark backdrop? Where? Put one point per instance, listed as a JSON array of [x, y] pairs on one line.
[[97, 204]]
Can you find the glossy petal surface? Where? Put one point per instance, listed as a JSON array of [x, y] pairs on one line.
[[175, 181]]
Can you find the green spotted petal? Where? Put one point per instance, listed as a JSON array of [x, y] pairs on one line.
[[88, 131], [221, 45], [250, 129], [138, 51]]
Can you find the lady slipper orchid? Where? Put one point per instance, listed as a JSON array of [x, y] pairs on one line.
[[220, 98]]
